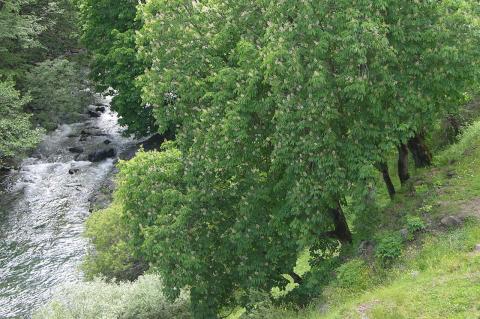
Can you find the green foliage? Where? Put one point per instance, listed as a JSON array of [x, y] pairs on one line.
[[58, 92], [108, 32], [16, 133], [389, 248], [59, 19], [460, 149], [281, 111], [98, 299], [18, 32], [354, 275], [415, 224], [110, 257]]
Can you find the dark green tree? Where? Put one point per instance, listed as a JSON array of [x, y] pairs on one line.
[[16, 133], [108, 32]]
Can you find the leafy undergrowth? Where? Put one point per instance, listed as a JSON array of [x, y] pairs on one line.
[[419, 267]]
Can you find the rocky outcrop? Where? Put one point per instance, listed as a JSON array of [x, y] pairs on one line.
[[93, 113], [102, 155], [100, 109]]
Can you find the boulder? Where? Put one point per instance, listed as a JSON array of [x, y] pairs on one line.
[[73, 171], [76, 150], [451, 221], [107, 142], [84, 135], [100, 109], [93, 114], [102, 155], [99, 104]]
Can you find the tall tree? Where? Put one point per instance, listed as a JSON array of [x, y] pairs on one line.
[[282, 110], [108, 32]]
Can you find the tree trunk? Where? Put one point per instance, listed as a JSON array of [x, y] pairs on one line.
[[342, 231], [403, 163], [455, 124], [383, 168], [296, 278], [421, 153]]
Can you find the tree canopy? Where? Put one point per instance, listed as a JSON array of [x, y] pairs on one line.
[[108, 32]]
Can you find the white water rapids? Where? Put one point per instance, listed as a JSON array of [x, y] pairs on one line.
[[44, 209]]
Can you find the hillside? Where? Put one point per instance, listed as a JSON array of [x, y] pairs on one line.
[[437, 274]]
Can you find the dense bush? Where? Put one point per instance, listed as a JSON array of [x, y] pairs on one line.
[[16, 133], [142, 299], [110, 257], [354, 275], [415, 224], [58, 92], [389, 248]]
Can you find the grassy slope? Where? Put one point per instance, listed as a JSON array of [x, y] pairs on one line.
[[438, 274]]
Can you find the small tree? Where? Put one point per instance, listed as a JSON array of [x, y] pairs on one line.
[[16, 133]]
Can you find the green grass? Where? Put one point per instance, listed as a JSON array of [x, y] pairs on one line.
[[438, 272]]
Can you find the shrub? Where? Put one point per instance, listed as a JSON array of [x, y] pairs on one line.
[[142, 299], [389, 248], [354, 275], [415, 224], [110, 256]]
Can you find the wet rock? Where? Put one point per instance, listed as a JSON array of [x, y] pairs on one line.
[[93, 114], [73, 171], [102, 155], [107, 142], [100, 104], [84, 135], [155, 141], [451, 221], [76, 150], [100, 109]]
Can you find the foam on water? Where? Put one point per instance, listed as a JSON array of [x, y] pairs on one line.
[[43, 212]]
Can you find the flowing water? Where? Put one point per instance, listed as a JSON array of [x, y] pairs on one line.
[[43, 211]]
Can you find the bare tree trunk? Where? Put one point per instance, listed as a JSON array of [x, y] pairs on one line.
[[403, 163], [296, 278], [383, 168], [420, 151], [342, 231]]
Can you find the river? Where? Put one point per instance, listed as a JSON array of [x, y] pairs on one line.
[[43, 211]]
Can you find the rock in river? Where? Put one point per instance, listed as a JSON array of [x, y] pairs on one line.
[[76, 150], [101, 155]]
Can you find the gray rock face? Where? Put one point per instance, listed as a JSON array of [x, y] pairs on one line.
[[451, 221], [102, 155]]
